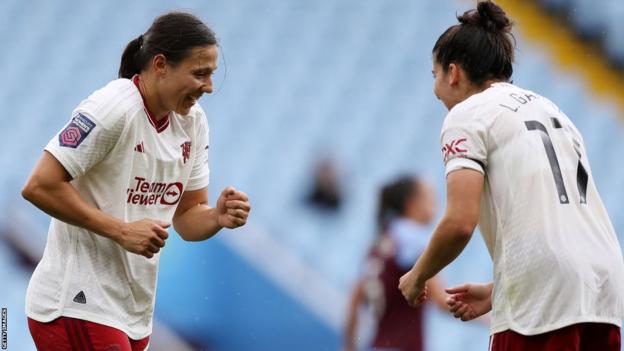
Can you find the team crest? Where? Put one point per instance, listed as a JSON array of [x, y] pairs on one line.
[[186, 150], [76, 131]]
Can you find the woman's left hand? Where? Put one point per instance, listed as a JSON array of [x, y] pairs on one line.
[[232, 208]]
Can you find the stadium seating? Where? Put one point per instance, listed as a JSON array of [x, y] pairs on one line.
[[598, 21], [297, 81]]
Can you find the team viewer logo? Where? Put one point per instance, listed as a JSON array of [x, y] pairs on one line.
[[186, 150], [172, 194], [76, 131], [147, 193]]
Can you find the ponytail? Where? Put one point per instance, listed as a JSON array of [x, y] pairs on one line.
[[174, 35], [129, 59]]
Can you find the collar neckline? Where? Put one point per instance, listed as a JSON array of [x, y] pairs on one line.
[[159, 125]]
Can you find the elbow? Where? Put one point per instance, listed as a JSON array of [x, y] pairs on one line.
[[30, 190], [35, 191], [176, 226], [185, 237], [181, 230], [461, 228]]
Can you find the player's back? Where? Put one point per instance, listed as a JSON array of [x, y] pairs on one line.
[[556, 256]]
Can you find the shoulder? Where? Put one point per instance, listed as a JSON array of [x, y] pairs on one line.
[[481, 108], [197, 117], [112, 103], [463, 114]]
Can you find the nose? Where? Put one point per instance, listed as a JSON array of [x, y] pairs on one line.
[[207, 86]]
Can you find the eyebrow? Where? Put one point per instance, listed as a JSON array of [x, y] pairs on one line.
[[204, 70]]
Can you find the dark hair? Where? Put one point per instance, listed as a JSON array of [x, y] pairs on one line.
[[173, 34], [482, 44], [393, 199]]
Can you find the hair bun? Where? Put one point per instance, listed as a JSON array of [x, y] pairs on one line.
[[492, 17], [488, 16]]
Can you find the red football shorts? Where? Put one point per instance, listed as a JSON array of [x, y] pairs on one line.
[[71, 334], [576, 337]]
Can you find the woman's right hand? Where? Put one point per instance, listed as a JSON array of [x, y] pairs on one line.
[[144, 237], [469, 301]]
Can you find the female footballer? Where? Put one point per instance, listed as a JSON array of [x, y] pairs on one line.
[[517, 165], [132, 160]]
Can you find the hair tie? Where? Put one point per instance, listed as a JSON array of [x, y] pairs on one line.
[[140, 40]]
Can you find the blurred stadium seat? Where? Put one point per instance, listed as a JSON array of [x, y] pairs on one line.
[[296, 79], [601, 22]]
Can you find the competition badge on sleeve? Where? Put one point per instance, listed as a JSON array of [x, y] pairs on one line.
[[76, 131]]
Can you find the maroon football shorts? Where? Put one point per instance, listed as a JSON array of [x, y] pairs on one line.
[[576, 337], [71, 334]]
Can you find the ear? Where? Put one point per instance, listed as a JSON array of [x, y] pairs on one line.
[[454, 73], [159, 62]]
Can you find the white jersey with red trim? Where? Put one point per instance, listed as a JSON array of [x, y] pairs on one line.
[[557, 260], [132, 167]]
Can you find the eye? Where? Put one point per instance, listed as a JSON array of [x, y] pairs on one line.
[[203, 74]]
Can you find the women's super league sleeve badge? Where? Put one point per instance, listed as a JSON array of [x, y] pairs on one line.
[[76, 131]]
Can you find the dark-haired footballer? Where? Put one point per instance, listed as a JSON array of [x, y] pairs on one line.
[[517, 165], [132, 159], [406, 208]]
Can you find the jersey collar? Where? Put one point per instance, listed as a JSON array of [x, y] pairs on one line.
[[159, 125]]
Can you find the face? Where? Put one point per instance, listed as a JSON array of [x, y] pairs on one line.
[[181, 85], [441, 87], [423, 206]]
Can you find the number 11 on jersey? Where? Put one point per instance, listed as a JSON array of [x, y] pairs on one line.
[[581, 173]]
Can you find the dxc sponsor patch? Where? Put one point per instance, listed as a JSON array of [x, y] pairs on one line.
[[76, 131]]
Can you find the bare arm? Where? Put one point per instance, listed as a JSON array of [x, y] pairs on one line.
[[451, 235], [436, 292], [357, 298], [49, 189], [194, 220]]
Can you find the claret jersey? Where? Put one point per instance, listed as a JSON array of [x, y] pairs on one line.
[[557, 260], [131, 166]]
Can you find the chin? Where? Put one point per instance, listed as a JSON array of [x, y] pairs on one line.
[[183, 111]]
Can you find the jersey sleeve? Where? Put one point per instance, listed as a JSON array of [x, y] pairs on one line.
[[464, 142], [90, 134], [199, 177]]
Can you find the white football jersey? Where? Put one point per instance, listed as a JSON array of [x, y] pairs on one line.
[[132, 167], [557, 260]]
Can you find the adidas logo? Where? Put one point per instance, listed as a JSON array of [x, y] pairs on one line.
[[80, 297], [139, 147]]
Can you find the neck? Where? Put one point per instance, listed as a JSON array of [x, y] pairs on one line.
[[153, 102], [471, 89]]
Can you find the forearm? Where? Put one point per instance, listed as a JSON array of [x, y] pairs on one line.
[[350, 336], [63, 202], [197, 223], [490, 287], [448, 240]]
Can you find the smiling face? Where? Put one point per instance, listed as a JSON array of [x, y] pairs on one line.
[[182, 84]]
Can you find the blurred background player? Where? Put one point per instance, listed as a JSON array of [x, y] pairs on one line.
[[517, 164], [406, 208], [132, 159], [279, 99]]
